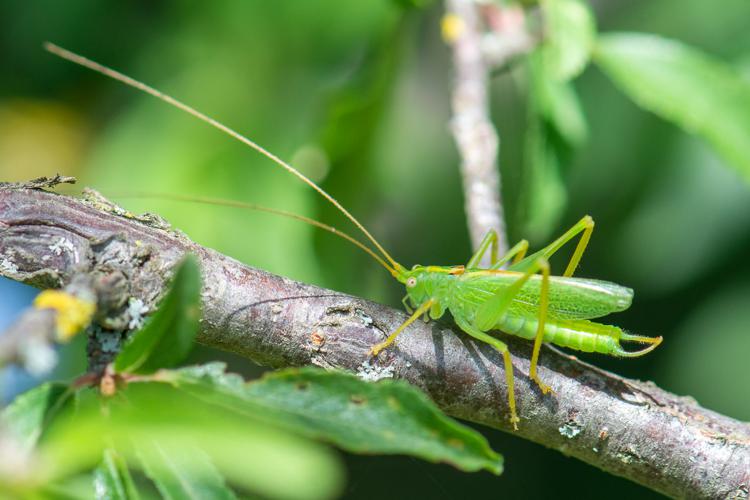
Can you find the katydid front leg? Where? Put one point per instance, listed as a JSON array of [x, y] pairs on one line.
[[490, 242], [375, 350]]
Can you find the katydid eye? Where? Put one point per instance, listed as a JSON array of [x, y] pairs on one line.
[[411, 282]]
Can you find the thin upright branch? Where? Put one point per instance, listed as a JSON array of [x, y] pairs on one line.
[[475, 135], [626, 427]]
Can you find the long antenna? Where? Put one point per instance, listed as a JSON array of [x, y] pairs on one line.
[[104, 70], [261, 208]]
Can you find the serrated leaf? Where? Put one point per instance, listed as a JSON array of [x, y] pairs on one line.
[[385, 417], [189, 475], [685, 86], [112, 479], [261, 458], [26, 417], [570, 36], [168, 336]]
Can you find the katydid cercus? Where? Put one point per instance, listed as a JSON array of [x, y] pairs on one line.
[[516, 294]]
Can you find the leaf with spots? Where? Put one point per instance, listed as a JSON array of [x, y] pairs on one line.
[[388, 417]]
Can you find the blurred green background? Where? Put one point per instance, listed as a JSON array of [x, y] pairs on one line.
[[357, 95]]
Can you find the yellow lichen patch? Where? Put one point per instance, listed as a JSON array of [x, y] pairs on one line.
[[451, 27], [73, 314]]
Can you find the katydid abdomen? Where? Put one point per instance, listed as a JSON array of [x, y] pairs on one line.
[[581, 335], [573, 302]]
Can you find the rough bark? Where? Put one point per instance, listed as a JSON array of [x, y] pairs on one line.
[[626, 427]]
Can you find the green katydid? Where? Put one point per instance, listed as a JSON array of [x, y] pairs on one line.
[[515, 295]]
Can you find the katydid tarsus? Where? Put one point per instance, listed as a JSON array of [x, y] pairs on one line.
[[516, 294]]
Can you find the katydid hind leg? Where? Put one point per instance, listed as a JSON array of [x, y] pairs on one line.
[[541, 319], [502, 348], [585, 226], [491, 311]]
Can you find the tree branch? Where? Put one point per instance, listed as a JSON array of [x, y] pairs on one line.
[[628, 428], [475, 135]]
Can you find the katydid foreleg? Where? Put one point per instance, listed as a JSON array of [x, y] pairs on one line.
[[424, 308], [490, 242]]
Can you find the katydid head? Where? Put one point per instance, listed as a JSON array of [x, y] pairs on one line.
[[418, 285], [424, 283]]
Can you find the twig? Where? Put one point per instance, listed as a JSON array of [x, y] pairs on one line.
[[474, 133], [28, 342], [628, 428]]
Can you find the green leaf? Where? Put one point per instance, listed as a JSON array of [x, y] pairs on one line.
[[414, 4], [187, 475], [27, 416], [546, 195], [79, 487], [361, 417], [683, 85], [555, 124], [168, 336], [560, 106], [263, 459], [557, 102], [112, 479], [571, 33]]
